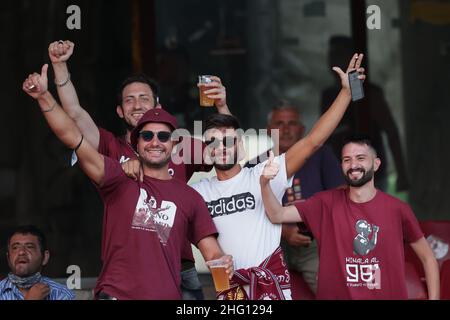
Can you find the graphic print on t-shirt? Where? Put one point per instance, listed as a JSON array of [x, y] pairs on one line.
[[364, 272], [149, 217], [236, 203], [362, 245]]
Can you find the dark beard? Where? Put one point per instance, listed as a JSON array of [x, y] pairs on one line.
[[224, 167], [227, 166], [154, 165], [367, 176]]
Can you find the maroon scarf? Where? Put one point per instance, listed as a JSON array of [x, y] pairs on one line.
[[267, 281]]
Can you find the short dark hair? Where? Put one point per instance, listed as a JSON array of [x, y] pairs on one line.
[[361, 139], [141, 78], [33, 230], [218, 120]]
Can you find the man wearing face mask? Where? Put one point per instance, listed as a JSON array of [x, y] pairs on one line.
[[27, 255]]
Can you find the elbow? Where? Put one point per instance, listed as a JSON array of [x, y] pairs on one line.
[[316, 145], [69, 137], [275, 218], [74, 113]]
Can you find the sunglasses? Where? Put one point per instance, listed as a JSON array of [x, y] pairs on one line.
[[163, 136], [227, 141]]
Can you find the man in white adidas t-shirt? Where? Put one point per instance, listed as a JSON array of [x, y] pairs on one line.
[[234, 198]]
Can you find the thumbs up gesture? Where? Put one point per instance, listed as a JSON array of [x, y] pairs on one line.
[[270, 169], [36, 84]]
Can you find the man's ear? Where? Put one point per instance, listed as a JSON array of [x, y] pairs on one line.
[[377, 163], [119, 111], [46, 258]]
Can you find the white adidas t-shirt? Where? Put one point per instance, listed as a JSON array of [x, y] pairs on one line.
[[237, 209]]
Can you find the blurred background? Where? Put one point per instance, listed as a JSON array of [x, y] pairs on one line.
[[263, 50]]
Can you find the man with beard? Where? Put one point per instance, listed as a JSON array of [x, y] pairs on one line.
[[141, 258], [320, 172], [360, 231], [27, 255], [136, 95], [234, 198]]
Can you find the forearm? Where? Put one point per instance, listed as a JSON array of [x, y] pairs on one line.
[[224, 110], [67, 93], [59, 122], [72, 107], [210, 248], [297, 155], [431, 269], [274, 209]]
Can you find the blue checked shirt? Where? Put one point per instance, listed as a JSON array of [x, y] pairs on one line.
[[9, 291]]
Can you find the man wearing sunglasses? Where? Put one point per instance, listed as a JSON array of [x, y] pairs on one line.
[[146, 223], [136, 95], [234, 198]]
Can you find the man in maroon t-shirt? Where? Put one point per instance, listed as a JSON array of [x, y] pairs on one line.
[[360, 231], [146, 224], [137, 95]]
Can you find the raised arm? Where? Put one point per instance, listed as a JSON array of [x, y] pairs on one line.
[[430, 266], [59, 52], [274, 210], [304, 148], [91, 162]]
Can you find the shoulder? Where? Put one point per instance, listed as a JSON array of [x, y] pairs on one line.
[[203, 184], [105, 133], [181, 186], [3, 284], [387, 198], [331, 195], [113, 167]]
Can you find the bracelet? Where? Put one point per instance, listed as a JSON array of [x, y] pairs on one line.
[[79, 145], [49, 109], [63, 83]]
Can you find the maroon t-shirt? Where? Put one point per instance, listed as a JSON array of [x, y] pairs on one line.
[[361, 249], [145, 226], [118, 148]]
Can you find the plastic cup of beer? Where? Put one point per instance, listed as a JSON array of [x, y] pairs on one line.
[[220, 277], [204, 100]]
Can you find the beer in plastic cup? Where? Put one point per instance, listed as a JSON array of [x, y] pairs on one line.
[[204, 100], [220, 277]]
